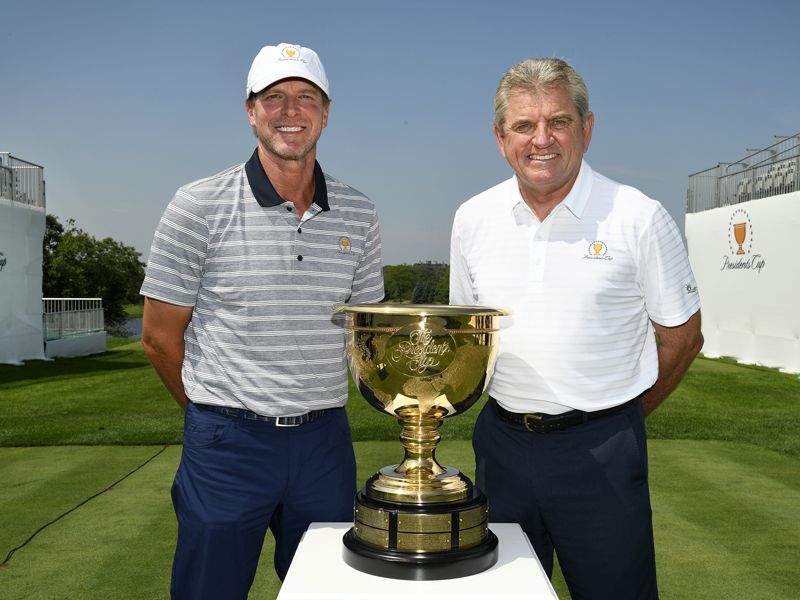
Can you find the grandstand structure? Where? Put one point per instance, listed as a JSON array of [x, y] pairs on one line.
[[742, 226], [766, 172], [22, 225], [32, 327]]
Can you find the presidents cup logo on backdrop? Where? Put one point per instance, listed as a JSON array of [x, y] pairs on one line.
[[740, 245]]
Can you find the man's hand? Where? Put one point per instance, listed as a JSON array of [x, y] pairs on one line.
[[163, 325], [676, 350]]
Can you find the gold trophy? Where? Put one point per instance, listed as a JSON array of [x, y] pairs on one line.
[[739, 233], [420, 363]]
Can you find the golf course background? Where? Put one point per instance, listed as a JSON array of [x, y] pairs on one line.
[[88, 448]]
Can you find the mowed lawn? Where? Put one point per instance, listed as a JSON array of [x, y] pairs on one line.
[[99, 437]]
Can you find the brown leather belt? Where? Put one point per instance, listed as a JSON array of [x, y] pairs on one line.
[[543, 423]]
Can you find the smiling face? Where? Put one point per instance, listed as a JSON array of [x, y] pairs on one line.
[[543, 139], [288, 118]]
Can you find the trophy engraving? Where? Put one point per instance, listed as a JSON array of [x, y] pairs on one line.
[[422, 352], [420, 364]]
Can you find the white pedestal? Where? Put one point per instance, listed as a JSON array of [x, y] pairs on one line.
[[318, 572]]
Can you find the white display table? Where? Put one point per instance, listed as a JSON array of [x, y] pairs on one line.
[[318, 572]]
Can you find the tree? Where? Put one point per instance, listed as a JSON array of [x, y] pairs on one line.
[[77, 265], [399, 281], [421, 283]]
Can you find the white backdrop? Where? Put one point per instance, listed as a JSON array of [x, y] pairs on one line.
[[21, 234], [750, 287]]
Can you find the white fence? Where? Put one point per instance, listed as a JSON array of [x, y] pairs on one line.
[[70, 317], [21, 181]]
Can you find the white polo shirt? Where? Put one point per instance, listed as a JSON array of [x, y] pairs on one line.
[[583, 286]]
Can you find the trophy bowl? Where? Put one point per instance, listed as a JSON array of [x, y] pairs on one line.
[[420, 364]]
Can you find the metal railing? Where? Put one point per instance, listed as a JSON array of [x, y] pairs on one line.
[[21, 181], [70, 317], [766, 172]]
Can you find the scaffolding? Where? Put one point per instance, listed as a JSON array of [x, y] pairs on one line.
[[765, 172]]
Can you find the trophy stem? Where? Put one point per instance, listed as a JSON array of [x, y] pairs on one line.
[[419, 478], [420, 436]]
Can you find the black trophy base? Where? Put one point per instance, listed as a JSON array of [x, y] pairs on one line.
[[419, 566]]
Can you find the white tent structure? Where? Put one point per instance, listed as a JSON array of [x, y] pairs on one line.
[[742, 230], [22, 226]]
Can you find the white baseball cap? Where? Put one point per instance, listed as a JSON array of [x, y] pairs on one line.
[[274, 63]]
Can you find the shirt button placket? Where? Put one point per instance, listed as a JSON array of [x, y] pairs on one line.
[[537, 254]]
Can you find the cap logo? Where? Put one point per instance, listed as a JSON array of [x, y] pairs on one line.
[[290, 53]]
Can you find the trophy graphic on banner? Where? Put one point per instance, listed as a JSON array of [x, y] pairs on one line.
[[739, 233], [420, 364]]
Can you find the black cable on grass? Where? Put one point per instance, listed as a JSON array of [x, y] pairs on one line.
[[76, 507]]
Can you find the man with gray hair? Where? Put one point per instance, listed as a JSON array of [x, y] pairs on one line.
[[245, 269], [592, 270]]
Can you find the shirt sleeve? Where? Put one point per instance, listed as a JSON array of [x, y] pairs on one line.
[[461, 289], [177, 256], [368, 277], [665, 275]]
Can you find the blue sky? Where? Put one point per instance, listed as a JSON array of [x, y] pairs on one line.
[[124, 102]]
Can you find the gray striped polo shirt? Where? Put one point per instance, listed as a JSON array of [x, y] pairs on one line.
[[263, 283]]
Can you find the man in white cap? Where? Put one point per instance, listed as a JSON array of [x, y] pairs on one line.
[[244, 271]]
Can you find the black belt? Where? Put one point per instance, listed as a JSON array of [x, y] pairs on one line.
[[542, 422], [248, 415]]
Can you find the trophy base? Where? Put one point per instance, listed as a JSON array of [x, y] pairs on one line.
[[420, 541], [418, 566]]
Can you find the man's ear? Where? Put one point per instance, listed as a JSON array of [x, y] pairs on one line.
[[250, 107], [498, 135]]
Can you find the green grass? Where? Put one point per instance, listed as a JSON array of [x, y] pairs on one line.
[[116, 398], [725, 520], [722, 400], [724, 516], [723, 456], [111, 398], [134, 311]]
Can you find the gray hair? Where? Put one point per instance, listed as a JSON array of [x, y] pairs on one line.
[[535, 75]]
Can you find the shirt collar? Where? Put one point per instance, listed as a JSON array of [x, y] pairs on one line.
[[577, 198], [265, 193]]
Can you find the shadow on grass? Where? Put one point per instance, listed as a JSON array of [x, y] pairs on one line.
[[41, 370]]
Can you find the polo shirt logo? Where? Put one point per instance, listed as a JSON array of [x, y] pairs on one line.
[[598, 251], [344, 245]]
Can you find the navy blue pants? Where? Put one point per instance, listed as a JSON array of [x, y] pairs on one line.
[[582, 492], [239, 477]]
